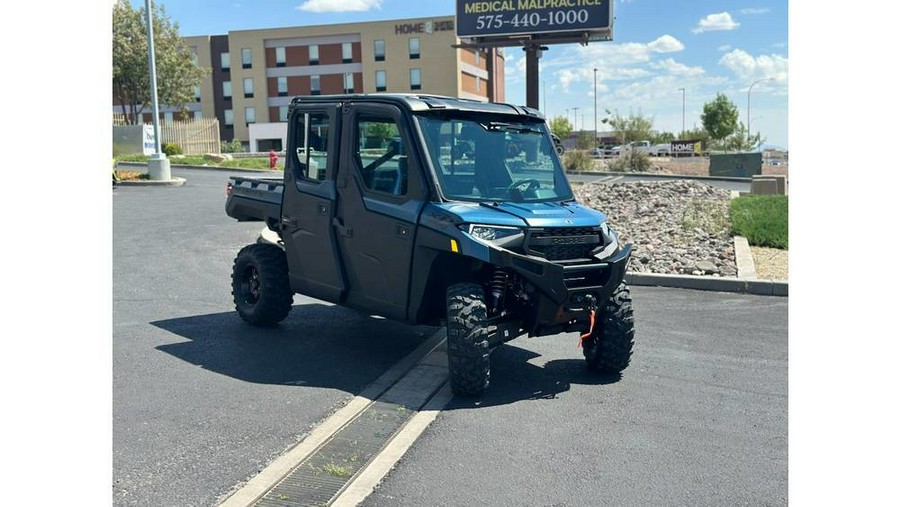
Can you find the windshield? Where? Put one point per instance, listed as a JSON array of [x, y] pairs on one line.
[[488, 158]]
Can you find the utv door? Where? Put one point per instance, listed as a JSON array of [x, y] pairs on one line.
[[380, 195], [308, 207]]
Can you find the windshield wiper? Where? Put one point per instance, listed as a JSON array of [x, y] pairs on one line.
[[509, 127]]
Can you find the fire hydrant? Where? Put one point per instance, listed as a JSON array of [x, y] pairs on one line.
[[273, 158]]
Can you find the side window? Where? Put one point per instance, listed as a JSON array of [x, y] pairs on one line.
[[313, 131], [382, 159]]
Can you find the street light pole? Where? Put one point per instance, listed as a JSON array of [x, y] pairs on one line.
[[682, 113], [748, 103], [575, 119], [158, 165], [595, 107]]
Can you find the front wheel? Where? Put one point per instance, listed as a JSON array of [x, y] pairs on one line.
[[608, 349], [468, 352], [260, 286]]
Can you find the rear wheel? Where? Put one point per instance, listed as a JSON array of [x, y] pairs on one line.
[[468, 351], [260, 286], [608, 349]]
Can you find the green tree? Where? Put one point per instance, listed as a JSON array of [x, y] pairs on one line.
[[634, 127], [720, 117], [585, 140], [176, 73], [560, 126], [740, 141], [662, 137], [699, 134]]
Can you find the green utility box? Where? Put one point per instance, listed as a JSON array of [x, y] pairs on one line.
[[738, 165]]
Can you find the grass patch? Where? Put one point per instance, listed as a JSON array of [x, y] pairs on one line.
[[762, 219], [243, 163], [336, 470], [131, 176]]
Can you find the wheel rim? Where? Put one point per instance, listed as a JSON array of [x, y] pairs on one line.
[[250, 285]]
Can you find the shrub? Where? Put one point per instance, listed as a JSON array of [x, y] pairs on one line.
[[171, 149], [631, 161], [575, 160], [233, 146], [762, 219]]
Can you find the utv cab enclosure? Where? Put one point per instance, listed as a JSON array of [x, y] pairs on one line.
[[434, 210]]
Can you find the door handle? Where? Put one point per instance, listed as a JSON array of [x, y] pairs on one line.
[[343, 231], [288, 221]]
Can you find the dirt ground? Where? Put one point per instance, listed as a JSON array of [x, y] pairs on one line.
[[771, 263]]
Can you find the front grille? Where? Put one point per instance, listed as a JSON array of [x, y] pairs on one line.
[[563, 243]]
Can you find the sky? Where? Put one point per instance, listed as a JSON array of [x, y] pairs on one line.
[[658, 47]]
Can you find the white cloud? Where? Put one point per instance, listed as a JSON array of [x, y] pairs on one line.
[[666, 44], [677, 68], [725, 47], [339, 5], [713, 22], [748, 68], [754, 11]]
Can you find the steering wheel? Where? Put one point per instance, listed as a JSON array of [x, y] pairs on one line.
[[533, 184]]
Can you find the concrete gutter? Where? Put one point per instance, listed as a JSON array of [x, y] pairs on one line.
[[710, 283]]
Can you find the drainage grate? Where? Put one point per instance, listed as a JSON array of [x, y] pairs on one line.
[[324, 474]]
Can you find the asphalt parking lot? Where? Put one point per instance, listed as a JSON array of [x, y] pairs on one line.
[[202, 401]]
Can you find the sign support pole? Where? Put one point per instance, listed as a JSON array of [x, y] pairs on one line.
[[533, 53]]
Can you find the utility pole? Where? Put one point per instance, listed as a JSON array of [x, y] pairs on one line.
[[682, 114], [748, 103], [595, 108], [575, 119], [158, 166]]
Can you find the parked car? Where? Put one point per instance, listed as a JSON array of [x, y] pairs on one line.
[[660, 150]]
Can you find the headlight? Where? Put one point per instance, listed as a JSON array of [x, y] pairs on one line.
[[492, 232]]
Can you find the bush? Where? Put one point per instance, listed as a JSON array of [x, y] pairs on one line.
[[575, 160], [233, 146], [762, 219], [171, 149], [631, 161]]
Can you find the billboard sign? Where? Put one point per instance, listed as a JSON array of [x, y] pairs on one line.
[[149, 140], [500, 18], [687, 148]]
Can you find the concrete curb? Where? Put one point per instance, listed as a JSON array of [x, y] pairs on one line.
[[139, 165], [757, 287], [744, 258], [174, 182]]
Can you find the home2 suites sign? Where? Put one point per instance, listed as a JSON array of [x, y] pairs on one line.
[[424, 27], [480, 18]]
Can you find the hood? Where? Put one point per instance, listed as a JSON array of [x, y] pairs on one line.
[[532, 214]]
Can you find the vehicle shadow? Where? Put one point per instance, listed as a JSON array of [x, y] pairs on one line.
[[514, 379], [317, 345]]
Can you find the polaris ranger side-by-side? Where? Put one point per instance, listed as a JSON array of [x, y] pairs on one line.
[[434, 210]]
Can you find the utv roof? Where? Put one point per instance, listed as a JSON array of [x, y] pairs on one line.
[[421, 103]]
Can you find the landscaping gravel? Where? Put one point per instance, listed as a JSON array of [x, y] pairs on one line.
[[676, 227]]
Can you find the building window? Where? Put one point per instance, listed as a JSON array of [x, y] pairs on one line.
[[248, 87], [197, 93], [314, 54], [314, 88], [250, 115], [226, 90], [226, 62], [415, 79], [194, 58], [198, 115], [348, 82], [347, 52], [413, 48], [168, 117], [246, 58], [380, 81], [279, 57], [477, 84], [282, 113], [282, 86], [229, 117], [379, 50], [477, 57]]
